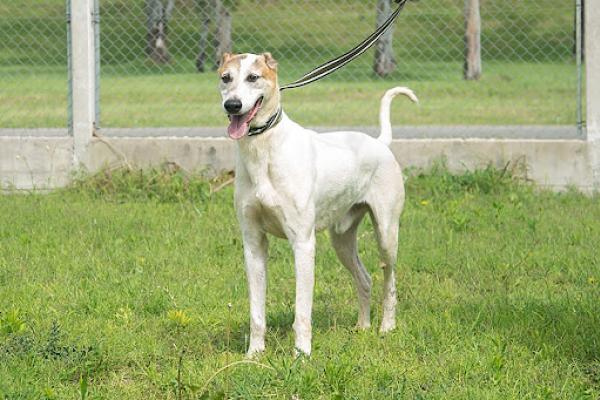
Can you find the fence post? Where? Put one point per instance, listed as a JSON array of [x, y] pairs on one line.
[[83, 75], [592, 68], [472, 62]]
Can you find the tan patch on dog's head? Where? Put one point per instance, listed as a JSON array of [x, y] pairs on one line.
[[268, 67], [230, 61]]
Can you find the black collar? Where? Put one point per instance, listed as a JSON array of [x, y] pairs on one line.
[[273, 120]]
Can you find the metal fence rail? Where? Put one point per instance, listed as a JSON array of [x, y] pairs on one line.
[[158, 59]]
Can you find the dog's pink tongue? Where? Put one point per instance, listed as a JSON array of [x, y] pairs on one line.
[[238, 126]]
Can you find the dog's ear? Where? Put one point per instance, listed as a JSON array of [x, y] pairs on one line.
[[224, 58], [270, 61]]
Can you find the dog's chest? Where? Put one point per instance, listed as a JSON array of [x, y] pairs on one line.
[[267, 206], [259, 190], [272, 221]]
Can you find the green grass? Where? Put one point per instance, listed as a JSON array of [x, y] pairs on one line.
[[508, 94], [119, 288]]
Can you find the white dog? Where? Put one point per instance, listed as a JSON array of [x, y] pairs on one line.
[[291, 182]]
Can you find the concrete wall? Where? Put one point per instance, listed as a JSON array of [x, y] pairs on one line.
[[35, 162], [47, 162], [210, 155], [552, 163]]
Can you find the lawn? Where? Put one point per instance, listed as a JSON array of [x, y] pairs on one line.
[[131, 286], [508, 94]]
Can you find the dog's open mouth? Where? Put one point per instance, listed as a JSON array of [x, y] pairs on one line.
[[239, 125]]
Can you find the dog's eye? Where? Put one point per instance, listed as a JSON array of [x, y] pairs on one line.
[[252, 78], [226, 78]]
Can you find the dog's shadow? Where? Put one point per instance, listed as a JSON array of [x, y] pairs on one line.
[[279, 328]]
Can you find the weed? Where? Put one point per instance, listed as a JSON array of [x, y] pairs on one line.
[[166, 184], [12, 322], [83, 386], [178, 318], [17, 345]]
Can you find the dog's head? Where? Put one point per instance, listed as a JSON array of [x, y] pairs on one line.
[[249, 90]]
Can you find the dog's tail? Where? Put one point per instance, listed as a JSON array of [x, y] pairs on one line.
[[384, 112]]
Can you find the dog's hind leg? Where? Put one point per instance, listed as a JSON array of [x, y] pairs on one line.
[[385, 214], [345, 245]]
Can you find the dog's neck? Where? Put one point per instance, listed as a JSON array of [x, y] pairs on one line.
[[255, 152], [269, 107], [271, 122], [249, 146]]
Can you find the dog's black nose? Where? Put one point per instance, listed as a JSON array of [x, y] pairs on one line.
[[233, 106]]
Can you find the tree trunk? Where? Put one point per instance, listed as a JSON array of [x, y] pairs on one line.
[[207, 12], [384, 52], [157, 19], [223, 35], [472, 65]]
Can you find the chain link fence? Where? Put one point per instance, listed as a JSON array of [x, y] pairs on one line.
[[158, 59], [33, 64]]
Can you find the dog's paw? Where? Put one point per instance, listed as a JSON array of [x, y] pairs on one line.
[[387, 325], [302, 354], [254, 352], [362, 326], [302, 346]]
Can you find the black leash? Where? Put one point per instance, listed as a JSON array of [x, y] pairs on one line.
[[338, 62]]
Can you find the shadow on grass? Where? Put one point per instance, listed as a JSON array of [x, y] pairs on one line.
[[560, 329], [280, 326]]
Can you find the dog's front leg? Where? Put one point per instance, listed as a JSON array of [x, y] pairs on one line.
[[255, 254], [304, 255]]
